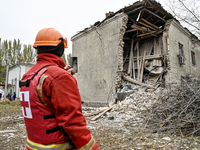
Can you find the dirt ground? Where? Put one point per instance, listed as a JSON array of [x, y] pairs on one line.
[[110, 133]]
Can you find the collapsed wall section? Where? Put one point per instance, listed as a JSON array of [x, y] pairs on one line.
[[99, 53], [121, 52]]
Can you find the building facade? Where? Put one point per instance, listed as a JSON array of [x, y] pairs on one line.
[[16, 72], [141, 44]]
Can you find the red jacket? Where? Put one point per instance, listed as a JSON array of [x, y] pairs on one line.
[[38, 116], [60, 90]]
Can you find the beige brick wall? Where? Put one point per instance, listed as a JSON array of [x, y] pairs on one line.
[[98, 56], [176, 35]]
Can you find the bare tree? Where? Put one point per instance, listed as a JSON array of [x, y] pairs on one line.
[[187, 12]]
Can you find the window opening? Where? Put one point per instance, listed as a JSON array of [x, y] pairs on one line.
[[181, 54], [193, 58]]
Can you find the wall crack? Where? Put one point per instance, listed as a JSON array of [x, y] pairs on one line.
[[102, 46]]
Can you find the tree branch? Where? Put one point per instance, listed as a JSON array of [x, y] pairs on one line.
[[189, 10]]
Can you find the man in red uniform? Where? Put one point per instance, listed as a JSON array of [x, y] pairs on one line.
[[50, 100]]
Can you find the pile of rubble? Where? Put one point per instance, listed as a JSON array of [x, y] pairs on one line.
[[127, 124], [175, 109], [131, 112]]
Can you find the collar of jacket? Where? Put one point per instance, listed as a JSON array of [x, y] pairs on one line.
[[50, 59]]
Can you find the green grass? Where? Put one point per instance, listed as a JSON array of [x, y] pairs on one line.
[[10, 108], [11, 119]]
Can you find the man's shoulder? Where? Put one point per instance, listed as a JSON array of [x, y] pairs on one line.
[[50, 67], [55, 71], [52, 70]]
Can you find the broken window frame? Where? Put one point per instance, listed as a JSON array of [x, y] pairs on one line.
[[193, 58], [181, 55]]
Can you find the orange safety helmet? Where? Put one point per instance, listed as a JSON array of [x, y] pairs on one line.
[[49, 37]]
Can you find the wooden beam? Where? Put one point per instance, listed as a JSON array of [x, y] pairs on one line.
[[157, 11], [132, 69], [131, 19], [94, 113], [138, 60], [165, 16], [146, 34], [154, 14], [125, 59], [131, 58], [149, 57], [148, 17], [134, 10], [142, 66], [155, 81], [156, 21], [132, 30], [151, 24], [149, 3], [140, 15], [103, 112], [153, 33], [134, 16], [146, 25], [145, 3], [139, 28], [126, 38], [136, 82]]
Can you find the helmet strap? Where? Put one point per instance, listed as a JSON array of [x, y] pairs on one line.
[[58, 50]]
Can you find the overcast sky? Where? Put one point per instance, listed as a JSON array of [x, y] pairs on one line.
[[22, 19]]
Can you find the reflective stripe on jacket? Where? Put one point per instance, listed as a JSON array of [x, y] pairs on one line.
[[36, 146], [89, 145]]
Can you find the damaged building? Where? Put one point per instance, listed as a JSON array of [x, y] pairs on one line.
[[141, 45]]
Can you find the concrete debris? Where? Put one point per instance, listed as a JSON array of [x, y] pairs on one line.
[[7, 131], [126, 112], [167, 139], [173, 110]]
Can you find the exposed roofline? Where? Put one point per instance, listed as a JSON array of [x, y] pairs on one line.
[[137, 6], [87, 30], [184, 30]]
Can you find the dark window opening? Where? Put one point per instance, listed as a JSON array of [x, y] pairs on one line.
[[74, 64], [181, 53], [193, 58]]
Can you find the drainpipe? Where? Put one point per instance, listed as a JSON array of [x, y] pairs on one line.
[[19, 79], [6, 83]]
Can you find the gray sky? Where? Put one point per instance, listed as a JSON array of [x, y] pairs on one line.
[[22, 19]]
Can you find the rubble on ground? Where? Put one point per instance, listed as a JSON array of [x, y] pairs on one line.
[[135, 119], [124, 125], [128, 112]]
